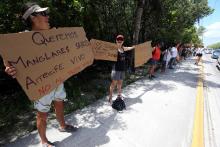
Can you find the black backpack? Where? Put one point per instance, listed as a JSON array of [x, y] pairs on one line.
[[118, 104]]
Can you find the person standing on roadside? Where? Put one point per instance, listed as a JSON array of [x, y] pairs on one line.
[[119, 67], [184, 53], [199, 53], [37, 19], [166, 59], [154, 61], [174, 54]]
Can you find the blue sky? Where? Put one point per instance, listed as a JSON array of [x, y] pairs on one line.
[[212, 24]]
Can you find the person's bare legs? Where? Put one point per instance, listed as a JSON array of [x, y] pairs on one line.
[[111, 89], [149, 69], [197, 60], [59, 110], [119, 85], [41, 126], [152, 70]]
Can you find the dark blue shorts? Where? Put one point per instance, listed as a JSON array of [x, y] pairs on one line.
[[153, 62], [199, 54]]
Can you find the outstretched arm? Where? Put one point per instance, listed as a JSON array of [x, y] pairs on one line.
[[129, 48]]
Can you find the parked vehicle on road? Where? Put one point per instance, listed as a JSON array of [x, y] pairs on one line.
[[208, 51], [218, 64], [216, 54]]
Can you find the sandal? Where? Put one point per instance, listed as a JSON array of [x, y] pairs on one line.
[[48, 144], [68, 128]]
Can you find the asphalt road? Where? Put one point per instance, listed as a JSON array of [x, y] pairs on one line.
[[212, 102]]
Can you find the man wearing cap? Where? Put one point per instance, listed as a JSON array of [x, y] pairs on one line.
[[118, 69], [37, 19]]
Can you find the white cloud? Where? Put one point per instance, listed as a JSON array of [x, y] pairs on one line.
[[213, 30]]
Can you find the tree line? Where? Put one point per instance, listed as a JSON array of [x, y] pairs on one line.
[[214, 46], [138, 20]]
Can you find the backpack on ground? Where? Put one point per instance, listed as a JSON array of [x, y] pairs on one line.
[[118, 104]]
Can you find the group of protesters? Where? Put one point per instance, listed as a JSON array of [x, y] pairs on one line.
[[37, 18], [168, 55]]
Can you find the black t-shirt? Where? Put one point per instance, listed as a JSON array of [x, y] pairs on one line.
[[120, 64]]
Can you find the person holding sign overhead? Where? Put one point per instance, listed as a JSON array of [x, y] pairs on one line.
[[118, 69], [37, 19]]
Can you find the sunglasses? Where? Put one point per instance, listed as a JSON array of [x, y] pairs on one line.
[[43, 13]]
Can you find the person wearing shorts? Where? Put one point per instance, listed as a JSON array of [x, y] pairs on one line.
[[199, 55], [118, 69], [165, 60], [154, 60], [37, 19], [174, 55]]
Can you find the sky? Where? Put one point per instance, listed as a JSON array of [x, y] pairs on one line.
[[212, 24]]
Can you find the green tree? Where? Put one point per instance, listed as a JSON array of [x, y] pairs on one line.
[[214, 46]]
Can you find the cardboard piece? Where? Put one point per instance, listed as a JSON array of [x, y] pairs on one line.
[[143, 52], [103, 50], [45, 59]]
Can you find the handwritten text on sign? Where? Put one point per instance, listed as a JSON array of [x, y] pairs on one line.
[[104, 50], [45, 59]]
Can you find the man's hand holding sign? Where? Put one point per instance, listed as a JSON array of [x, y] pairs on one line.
[[45, 59]]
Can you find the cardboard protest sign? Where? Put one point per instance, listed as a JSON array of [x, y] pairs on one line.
[[143, 52], [45, 59], [103, 50]]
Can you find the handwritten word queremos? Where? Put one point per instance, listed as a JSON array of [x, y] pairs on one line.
[[40, 39]]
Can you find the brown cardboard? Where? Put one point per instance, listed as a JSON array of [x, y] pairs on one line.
[[143, 52], [103, 50], [46, 58]]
